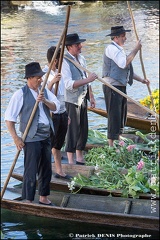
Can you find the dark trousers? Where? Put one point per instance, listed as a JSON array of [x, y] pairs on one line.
[[77, 132], [60, 123], [116, 106], [37, 161]]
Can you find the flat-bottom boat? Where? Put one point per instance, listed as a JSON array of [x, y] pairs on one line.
[[103, 210], [137, 117]]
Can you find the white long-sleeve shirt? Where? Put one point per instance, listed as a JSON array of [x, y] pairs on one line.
[[66, 73], [117, 54], [60, 92], [50, 78]]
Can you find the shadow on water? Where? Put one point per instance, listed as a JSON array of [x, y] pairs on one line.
[[44, 228]]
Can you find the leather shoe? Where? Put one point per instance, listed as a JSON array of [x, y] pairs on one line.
[[66, 177], [49, 204], [80, 163]]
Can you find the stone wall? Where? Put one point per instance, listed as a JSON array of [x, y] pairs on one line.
[[9, 5], [69, 2], [21, 3]]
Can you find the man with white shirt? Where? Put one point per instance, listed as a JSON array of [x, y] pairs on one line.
[[37, 145], [76, 88], [118, 71]]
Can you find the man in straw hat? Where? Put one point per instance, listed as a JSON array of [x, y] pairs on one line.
[[118, 71], [37, 145], [76, 88]]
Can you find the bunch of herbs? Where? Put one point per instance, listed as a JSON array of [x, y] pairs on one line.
[[123, 167]]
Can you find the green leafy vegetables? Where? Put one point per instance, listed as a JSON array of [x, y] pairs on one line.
[[123, 167]]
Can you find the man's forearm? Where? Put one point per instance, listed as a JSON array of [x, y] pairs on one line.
[[11, 129], [131, 56], [50, 105]]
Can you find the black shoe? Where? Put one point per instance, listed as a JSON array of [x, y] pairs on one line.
[[80, 163], [49, 204], [67, 177]]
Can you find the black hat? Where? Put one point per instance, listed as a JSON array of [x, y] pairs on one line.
[[33, 69], [73, 39], [117, 30]]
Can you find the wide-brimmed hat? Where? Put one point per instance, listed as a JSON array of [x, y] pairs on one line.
[[33, 69], [73, 39], [117, 30]]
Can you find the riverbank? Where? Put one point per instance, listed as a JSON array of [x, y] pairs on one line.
[[13, 5]]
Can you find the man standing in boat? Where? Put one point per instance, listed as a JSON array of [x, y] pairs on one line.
[[118, 71], [37, 144], [76, 88]]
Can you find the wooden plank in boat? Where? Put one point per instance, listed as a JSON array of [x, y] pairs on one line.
[[62, 185], [73, 169]]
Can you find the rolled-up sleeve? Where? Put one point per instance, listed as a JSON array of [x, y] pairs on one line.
[[117, 55], [53, 98], [14, 106], [67, 76]]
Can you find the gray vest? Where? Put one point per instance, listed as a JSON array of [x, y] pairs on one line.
[[111, 69], [28, 105], [75, 96]]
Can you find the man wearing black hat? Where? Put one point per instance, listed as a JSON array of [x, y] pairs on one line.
[[36, 146], [118, 71], [76, 88]]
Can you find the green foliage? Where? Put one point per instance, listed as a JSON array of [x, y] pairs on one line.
[[96, 137], [123, 167], [135, 182]]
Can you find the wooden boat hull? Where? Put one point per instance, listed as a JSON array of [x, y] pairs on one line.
[[111, 211], [136, 117]]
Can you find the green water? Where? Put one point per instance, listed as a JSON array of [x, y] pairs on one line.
[[19, 226]]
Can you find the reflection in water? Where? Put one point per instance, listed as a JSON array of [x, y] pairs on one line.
[[26, 36], [40, 228]]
